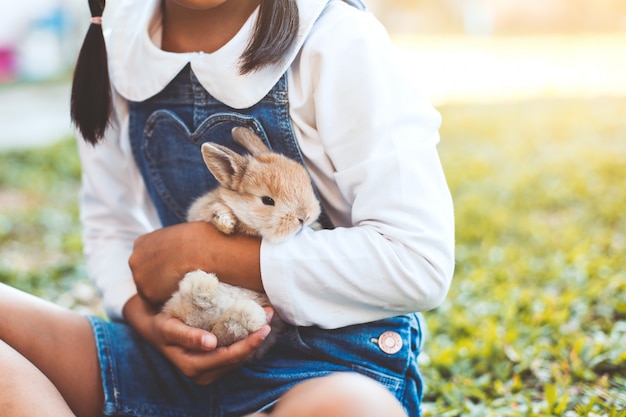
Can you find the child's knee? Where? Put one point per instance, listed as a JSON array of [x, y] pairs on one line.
[[339, 395]]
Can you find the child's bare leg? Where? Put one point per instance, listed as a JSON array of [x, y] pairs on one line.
[[60, 348], [25, 391], [338, 395]]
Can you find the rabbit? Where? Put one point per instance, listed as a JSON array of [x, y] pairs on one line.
[[261, 194]]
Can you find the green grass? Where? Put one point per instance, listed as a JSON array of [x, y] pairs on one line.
[[535, 322], [40, 238]]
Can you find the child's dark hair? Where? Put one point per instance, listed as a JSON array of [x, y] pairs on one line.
[[91, 103], [276, 29], [90, 106]]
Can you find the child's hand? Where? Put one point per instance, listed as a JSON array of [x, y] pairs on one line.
[[193, 351], [160, 259]]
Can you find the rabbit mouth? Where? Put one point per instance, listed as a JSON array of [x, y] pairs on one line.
[[294, 229], [288, 230]]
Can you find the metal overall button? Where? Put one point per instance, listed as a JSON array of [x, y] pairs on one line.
[[390, 342]]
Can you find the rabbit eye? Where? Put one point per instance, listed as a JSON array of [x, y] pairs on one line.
[[268, 201]]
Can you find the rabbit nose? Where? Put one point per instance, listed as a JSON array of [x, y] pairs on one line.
[[303, 219]]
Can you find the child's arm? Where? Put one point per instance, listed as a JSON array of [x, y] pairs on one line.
[[161, 258], [113, 212], [370, 138]]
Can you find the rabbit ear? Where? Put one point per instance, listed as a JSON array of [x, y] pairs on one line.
[[223, 163], [249, 140]]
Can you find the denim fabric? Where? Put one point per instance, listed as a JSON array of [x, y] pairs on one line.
[[166, 133], [138, 381]]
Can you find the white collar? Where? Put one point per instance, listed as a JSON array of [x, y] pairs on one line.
[[140, 69]]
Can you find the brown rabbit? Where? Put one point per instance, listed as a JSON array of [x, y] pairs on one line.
[[262, 194]]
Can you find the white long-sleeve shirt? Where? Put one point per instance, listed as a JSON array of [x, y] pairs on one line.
[[368, 138]]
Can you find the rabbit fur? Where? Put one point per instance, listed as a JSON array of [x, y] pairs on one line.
[[261, 194]]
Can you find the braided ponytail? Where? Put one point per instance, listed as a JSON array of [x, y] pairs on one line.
[[91, 101]]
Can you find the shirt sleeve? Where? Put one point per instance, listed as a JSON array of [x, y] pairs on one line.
[[114, 210], [395, 254]]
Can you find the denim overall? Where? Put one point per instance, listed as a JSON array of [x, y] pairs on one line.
[[166, 133]]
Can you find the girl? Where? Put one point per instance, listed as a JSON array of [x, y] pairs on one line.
[[318, 80]]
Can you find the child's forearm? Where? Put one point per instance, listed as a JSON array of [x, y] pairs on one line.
[[160, 259]]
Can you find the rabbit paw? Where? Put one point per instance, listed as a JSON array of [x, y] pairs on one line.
[[199, 287], [224, 222], [195, 301], [238, 322]]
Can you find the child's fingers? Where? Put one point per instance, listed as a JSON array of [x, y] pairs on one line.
[[177, 333], [241, 351], [205, 367]]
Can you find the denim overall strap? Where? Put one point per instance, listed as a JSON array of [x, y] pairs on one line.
[[167, 130]]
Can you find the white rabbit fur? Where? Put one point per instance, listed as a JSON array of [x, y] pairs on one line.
[[261, 194]]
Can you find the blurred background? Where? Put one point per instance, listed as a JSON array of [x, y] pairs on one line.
[[39, 40], [533, 99], [457, 49]]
